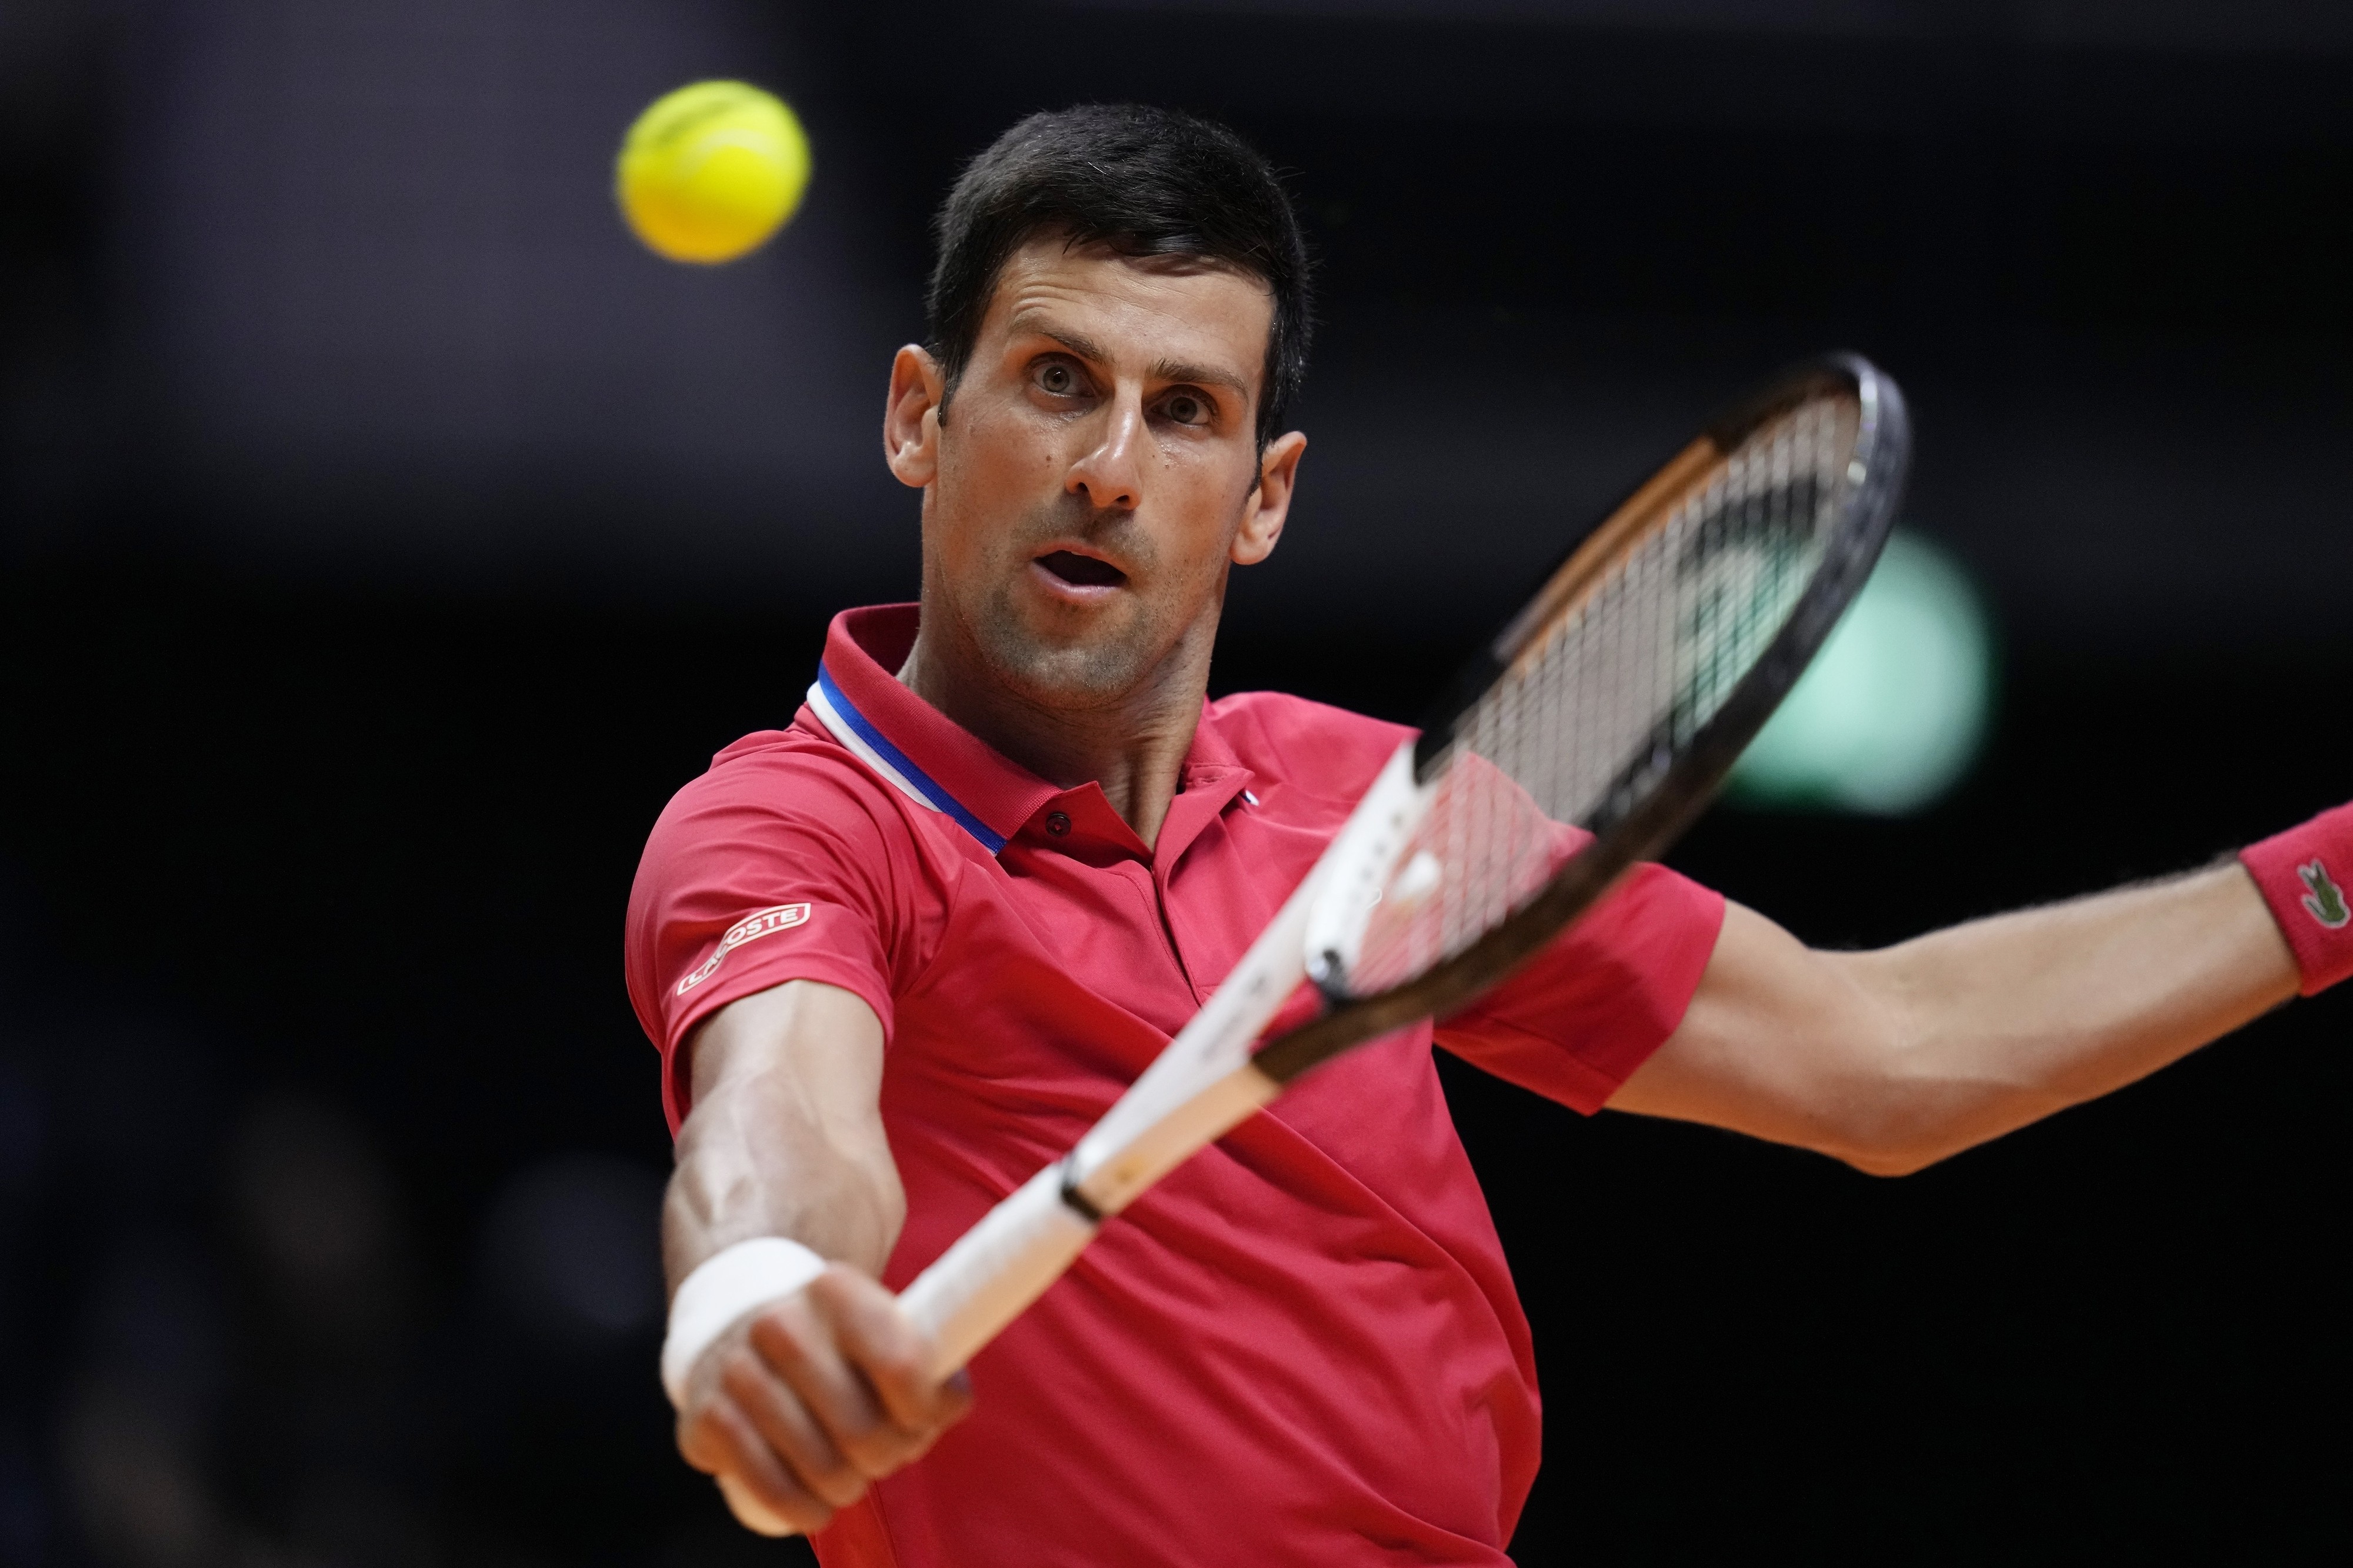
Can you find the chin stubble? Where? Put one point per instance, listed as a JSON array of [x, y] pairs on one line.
[[1105, 668]]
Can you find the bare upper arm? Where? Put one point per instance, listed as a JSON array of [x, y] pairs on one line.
[[1894, 1059], [1780, 1042], [822, 1043]]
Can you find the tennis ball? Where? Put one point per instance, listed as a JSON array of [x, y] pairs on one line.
[[708, 172]]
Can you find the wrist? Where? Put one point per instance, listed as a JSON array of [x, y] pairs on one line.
[[2306, 876], [723, 1287]]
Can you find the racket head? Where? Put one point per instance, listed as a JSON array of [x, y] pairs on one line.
[[1808, 472]]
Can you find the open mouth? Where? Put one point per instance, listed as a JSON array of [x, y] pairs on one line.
[[1082, 571]]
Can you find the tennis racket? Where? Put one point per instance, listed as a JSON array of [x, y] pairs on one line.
[[1613, 702]]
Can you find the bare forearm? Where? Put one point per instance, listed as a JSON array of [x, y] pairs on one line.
[[819, 1387], [781, 1143], [1891, 1060], [2002, 1021]]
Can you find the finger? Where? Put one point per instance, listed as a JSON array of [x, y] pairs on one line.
[[955, 1399], [799, 1343], [895, 1357], [750, 1512], [959, 1391], [788, 1427], [723, 1442]]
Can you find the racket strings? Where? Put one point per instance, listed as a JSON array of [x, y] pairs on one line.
[[1600, 699]]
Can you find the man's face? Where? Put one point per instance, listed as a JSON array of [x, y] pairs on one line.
[[1097, 470]]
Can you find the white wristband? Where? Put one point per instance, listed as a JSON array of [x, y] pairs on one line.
[[724, 1287]]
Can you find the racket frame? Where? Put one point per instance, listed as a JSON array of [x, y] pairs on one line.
[[1659, 796]]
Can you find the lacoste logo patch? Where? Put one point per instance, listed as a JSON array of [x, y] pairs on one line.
[[2323, 898], [750, 928]]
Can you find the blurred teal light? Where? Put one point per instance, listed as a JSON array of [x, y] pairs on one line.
[[1891, 714]]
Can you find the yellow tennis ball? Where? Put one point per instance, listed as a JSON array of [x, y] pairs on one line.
[[708, 172]]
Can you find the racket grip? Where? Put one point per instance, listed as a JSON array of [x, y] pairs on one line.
[[996, 1269]]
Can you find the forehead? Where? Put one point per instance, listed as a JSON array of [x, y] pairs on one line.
[[1155, 308]]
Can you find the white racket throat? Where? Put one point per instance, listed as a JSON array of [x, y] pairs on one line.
[[1200, 1087], [1203, 1083]]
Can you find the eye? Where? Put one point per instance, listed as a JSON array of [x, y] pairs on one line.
[[1056, 379], [1186, 408]]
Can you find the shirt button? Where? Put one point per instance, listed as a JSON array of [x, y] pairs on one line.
[[1057, 823]]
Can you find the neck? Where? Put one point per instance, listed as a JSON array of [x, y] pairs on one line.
[[1132, 744]]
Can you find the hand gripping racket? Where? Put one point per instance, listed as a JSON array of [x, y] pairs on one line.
[[1614, 702]]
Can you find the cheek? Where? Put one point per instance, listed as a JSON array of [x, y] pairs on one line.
[[988, 477], [1210, 503], [1000, 449]]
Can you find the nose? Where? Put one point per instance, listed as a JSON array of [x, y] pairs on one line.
[[1111, 474]]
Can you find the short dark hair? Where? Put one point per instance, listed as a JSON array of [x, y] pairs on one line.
[[1142, 182]]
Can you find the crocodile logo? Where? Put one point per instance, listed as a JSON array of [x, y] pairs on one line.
[[2325, 900]]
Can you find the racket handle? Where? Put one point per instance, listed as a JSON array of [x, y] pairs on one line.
[[996, 1269]]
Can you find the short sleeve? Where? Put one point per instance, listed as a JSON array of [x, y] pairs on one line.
[[767, 869], [1576, 1022]]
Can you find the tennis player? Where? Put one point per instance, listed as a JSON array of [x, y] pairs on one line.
[[900, 954]]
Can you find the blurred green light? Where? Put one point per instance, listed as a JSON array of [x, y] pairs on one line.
[[1892, 712]]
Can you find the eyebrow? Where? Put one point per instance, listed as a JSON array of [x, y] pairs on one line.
[[1201, 375], [1165, 370]]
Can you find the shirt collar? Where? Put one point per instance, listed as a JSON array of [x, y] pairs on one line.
[[911, 745], [936, 762]]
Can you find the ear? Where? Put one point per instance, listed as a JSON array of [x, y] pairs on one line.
[[1277, 478], [910, 420]]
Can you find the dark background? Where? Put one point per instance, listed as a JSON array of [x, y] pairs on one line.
[[383, 536]]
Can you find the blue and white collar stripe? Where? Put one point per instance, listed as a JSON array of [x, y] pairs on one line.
[[869, 744]]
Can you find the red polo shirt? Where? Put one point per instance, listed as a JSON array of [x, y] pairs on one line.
[[1303, 1346]]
